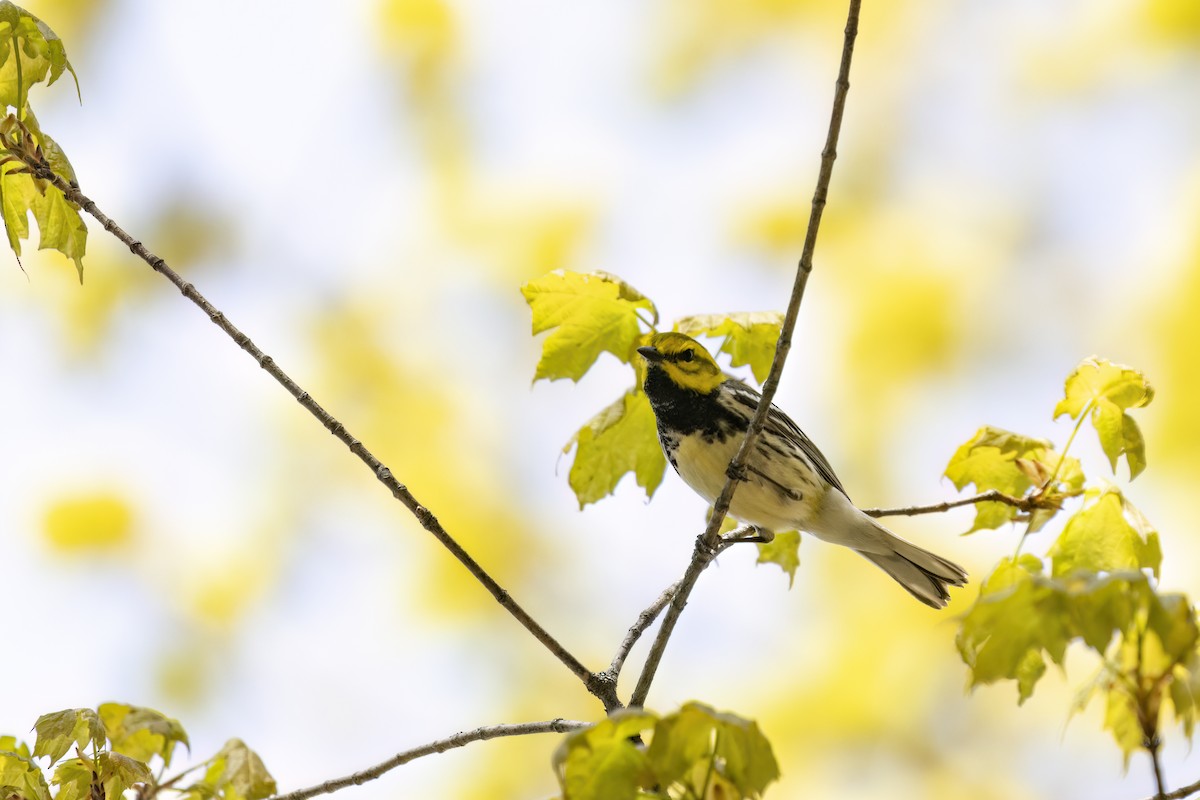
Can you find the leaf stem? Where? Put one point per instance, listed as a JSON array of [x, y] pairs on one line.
[[708, 544], [16, 52]]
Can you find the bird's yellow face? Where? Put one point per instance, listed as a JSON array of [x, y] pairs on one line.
[[685, 362]]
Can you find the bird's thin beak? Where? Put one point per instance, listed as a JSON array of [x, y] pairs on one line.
[[651, 354]]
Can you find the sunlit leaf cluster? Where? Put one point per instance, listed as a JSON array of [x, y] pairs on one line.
[[695, 753], [1098, 581], [31, 53], [85, 754], [588, 314]]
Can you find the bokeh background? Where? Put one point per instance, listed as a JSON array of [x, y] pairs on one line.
[[363, 186]]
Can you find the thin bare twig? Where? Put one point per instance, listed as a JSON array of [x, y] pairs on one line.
[[440, 746], [1178, 794], [644, 621], [708, 542], [1028, 503], [428, 521]]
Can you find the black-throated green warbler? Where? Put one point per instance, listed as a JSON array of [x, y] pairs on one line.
[[702, 418]]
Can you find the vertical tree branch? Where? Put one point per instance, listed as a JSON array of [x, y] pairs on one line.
[[424, 516], [707, 544]]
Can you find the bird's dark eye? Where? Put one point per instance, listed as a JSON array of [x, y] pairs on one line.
[[687, 355]]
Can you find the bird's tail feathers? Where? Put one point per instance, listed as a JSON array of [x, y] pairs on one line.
[[924, 574]]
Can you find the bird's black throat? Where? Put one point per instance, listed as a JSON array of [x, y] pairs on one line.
[[682, 412]]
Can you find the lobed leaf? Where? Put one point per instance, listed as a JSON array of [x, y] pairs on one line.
[[236, 773], [20, 776], [141, 733], [587, 314], [748, 337], [784, 552], [120, 772], [1099, 538], [622, 438], [57, 732], [1023, 616], [60, 227], [602, 763], [74, 779], [696, 739], [40, 51], [1013, 464], [1108, 390]]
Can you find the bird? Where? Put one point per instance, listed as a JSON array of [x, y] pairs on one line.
[[702, 416]]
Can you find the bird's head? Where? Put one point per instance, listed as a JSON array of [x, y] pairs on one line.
[[683, 361]]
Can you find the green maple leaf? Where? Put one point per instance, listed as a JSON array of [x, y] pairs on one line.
[[1015, 620], [29, 52], [1012, 464], [696, 738], [237, 773], [74, 778], [587, 314], [57, 732], [620, 439], [1108, 390], [60, 225], [141, 732], [601, 763], [748, 337], [1099, 538], [782, 551], [19, 775]]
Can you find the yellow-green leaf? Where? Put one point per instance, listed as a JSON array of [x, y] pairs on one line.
[[60, 226], [1121, 719], [40, 51], [622, 438], [601, 763], [1099, 538], [57, 732], [784, 552], [696, 738], [1015, 616], [120, 772], [1109, 390], [238, 773], [141, 732], [1012, 464], [587, 314], [19, 775], [748, 337], [74, 778]]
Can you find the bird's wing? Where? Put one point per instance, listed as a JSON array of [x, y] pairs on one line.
[[779, 424]]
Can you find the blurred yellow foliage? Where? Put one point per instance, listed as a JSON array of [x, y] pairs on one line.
[[695, 35], [88, 523], [220, 593], [1174, 20], [423, 31], [1176, 424], [434, 445]]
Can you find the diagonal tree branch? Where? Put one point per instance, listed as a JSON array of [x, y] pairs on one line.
[[707, 543], [440, 746], [428, 521]]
